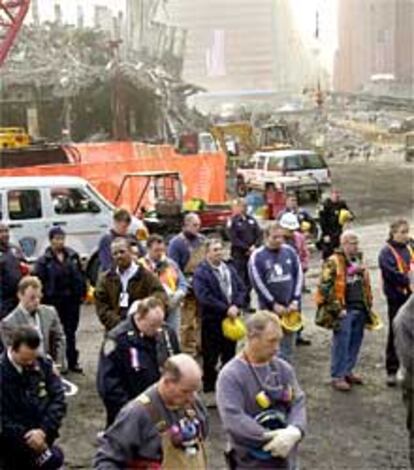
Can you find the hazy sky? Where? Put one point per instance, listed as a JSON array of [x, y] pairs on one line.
[[304, 13]]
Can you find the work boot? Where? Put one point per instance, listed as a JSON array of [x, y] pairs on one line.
[[76, 369], [341, 385], [354, 379], [392, 380], [303, 341]]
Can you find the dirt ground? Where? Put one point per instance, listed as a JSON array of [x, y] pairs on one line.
[[363, 430]]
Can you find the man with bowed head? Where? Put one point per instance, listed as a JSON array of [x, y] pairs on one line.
[[277, 277], [260, 402], [164, 428]]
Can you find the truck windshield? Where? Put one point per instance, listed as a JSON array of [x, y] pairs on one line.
[[100, 197]]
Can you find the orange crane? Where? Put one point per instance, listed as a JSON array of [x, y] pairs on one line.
[[12, 15]]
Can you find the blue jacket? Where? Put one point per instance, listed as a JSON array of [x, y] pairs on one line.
[[210, 297], [179, 248], [130, 362], [244, 233], [61, 280], [276, 276], [394, 282], [104, 248]]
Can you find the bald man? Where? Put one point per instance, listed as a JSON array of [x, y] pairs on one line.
[[165, 427], [118, 288]]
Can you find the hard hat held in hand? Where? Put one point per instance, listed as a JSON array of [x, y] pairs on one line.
[[292, 321], [375, 322], [305, 226], [233, 329], [344, 216]]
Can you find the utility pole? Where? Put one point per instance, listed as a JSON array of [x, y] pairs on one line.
[[119, 127]]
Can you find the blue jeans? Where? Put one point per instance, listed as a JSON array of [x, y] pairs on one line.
[[287, 346], [346, 343]]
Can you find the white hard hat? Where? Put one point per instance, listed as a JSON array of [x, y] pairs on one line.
[[289, 221]]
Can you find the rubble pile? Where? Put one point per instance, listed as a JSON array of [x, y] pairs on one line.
[[58, 62]]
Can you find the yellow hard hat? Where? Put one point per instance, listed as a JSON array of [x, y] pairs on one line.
[[305, 226], [375, 322], [344, 216], [233, 329], [90, 295], [292, 321]]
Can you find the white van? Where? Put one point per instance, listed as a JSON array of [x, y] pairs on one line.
[[31, 206]]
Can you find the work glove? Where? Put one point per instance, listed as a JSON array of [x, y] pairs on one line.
[[282, 441]]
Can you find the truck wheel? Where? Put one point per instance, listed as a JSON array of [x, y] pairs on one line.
[[92, 269]]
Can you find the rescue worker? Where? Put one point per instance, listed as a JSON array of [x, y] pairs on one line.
[[404, 341], [165, 427], [292, 207], [260, 402], [329, 220], [187, 249], [64, 287], [220, 293], [122, 285], [245, 236], [121, 223], [11, 258], [170, 276], [44, 318], [344, 301], [293, 237], [277, 277], [32, 404], [132, 355], [396, 260]]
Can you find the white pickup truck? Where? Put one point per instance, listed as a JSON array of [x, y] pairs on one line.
[[300, 171]]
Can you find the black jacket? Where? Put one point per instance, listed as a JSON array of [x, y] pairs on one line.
[[329, 218], [130, 362], [244, 233], [29, 400], [61, 280], [10, 275]]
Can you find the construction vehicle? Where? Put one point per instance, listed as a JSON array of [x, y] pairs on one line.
[[160, 203], [13, 138], [240, 140]]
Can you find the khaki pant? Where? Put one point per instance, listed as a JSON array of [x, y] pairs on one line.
[[190, 338]]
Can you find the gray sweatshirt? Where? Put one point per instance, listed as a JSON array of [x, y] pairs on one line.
[[404, 340], [133, 436], [237, 388]]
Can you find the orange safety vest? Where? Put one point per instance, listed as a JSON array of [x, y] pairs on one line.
[[402, 266], [168, 276], [340, 283]]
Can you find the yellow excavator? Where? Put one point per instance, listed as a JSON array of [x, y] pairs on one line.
[[240, 140]]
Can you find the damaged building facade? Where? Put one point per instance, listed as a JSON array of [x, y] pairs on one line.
[[84, 83]]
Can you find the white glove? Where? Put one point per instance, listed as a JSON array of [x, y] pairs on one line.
[[282, 441]]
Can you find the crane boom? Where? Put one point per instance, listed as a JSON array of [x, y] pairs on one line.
[[12, 15]]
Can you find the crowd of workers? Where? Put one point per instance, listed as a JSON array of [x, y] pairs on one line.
[[166, 309]]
